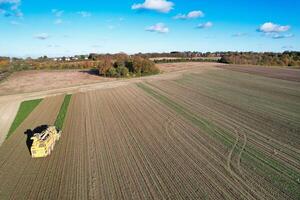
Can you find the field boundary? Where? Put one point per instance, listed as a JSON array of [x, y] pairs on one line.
[[26, 107]]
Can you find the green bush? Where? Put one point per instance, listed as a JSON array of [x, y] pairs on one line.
[[122, 71], [112, 72], [125, 66]]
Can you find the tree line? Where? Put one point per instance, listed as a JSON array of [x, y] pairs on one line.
[[123, 65], [287, 58], [108, 65]]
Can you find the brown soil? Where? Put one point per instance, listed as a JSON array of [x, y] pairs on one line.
[[123, 144], [16, 165], [37, 81], [113, 147], [32, 81], [272, 72], [187, 66], [227, 100]]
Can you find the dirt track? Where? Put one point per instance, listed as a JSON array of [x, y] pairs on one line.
[[8, 112]]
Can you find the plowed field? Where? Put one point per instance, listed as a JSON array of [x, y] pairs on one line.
[[19, 173], [216, 135]]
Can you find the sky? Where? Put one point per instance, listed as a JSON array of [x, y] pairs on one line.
[[61, 28]]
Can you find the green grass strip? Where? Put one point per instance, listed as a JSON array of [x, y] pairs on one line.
[[63, 112], [25, 109]]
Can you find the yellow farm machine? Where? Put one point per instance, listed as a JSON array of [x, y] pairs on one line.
[[44, 142]]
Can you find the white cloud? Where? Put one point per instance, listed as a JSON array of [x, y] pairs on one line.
[[163, 6], [57, 13], [84, 14], [58, 21], [41, 36], [191, 15], [205, 25], [158, 28], [270, 27], [275, 31]]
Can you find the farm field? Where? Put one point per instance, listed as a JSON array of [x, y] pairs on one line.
[[272, 72], [218, 134], [33, 81], [16, 165]]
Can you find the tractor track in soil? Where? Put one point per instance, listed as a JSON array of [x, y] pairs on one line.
[[290, 159], [252, 182]]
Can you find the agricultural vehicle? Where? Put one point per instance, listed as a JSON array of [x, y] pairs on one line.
[[44, 142]]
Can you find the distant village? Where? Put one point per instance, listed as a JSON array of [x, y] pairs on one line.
[[71, 58]]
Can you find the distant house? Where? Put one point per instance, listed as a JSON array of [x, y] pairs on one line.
[[68, 59]]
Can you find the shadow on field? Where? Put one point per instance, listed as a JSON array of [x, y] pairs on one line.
[[93, 72], [30, 133]]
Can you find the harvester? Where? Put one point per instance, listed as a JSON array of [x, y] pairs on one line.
[[44, 142]]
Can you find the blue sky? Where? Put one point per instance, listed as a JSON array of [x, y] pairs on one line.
[[56, 28]]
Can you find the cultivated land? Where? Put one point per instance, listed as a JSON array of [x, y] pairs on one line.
[[40, 86], [199, 133], [272, 72], [33, 81]]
